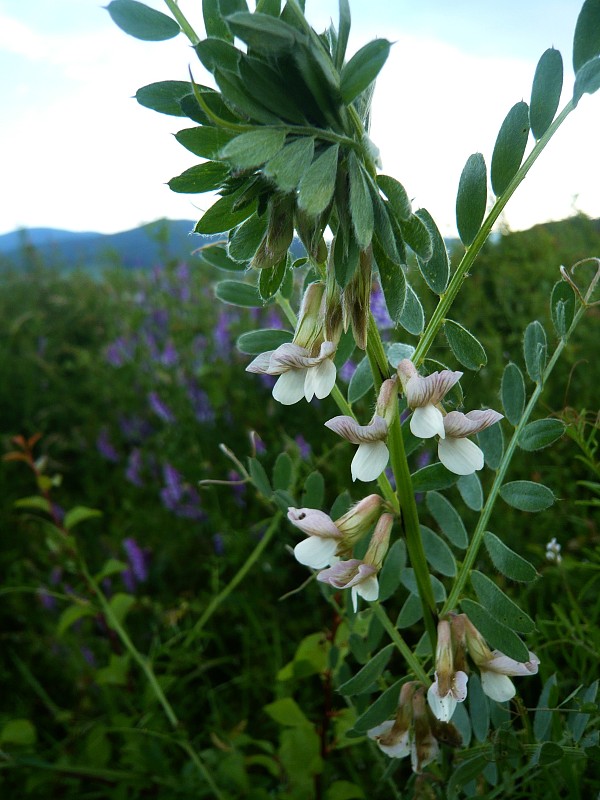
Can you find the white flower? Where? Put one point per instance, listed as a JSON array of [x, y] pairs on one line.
[[300, 374], [423, 394], [392, 740], [450, 685], [495, 671], [444, 704], [324, 537], [372, 455], [457, 453], [353, 574]]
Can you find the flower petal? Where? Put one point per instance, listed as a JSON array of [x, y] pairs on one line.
[[261, 363], [509, 666], [289, 388], [368, 589], [315, 551], [442, 707], [349, 429], [424, 390], [314, 522], [461, 456], [427, 421], [320, 380], [459, 686], [369, 461], [497, 687], [459, 424]]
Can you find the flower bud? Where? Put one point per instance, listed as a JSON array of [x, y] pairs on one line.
[[380, 541], [387, 400], [309, 329], [357, 521], [476, 644]]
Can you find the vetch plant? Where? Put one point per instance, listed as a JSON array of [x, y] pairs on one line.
[[283, 134]]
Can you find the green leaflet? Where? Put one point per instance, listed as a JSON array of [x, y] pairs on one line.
[[543, 715], [436, 270], [562, 307], [217, 256], [471, 491], [360, 382], [252, 149], [587, 80], [164, 96], [416, 235], [363, 68], [204, 141], [289, 165], [221, 217], [535, 349], [314, 491], [364, 678], [409, 581], [263, 32], [214, 23], [586, 40], [254, 342], [479, 709], [512, 392], [234, 91], [142, 22], [527, 495], [499, 605], [283, 472], [398, 351], [438, 553], [393, 282], [205, 177], [389, 577], [361, 207], [346, 256], [448, 518], [343, 33], [237, 293], [246, 238], [541, 433], [267, 86], [491, 441], [509, 148], [259, 477], [270, 279], [397, 197], [384, 707], [545, 92], [286, 711], [508, 562], [412, 316], [468, 350], [498, 636], [471, 199], [216, 52], [434, 476], [317, 185]]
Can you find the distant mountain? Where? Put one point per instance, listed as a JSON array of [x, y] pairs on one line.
[[147, 246]]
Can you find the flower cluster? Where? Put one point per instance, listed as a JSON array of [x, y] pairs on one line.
[[457, 636], [329, 543]]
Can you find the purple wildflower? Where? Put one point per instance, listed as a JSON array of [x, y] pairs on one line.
[[218, 544], [169, 356], [347, 371], [303, 446], [200, 402], [273, 320], [160, 408], [135, 428], [239, 489], [379, 309], [105, 446], [48, 602], [137, 558], [221, 339], [134, 466], [120, 351]]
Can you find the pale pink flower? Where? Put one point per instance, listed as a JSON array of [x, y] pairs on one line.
[[457, 453], [423, 395]]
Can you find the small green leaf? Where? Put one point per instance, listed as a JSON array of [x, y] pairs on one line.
[[207, 177], [142, 22], [216, 256], [471, 199], [385, 706], [317, 185], [346, 255], [479, 709], [435, 271], [164, 96], [236, 293], [438, 553], [416, 235], [545, 92], [365, 678], [79, 514], [120, 604], [252, 149], [314, 490], [360, 382], [389, 577], [527, 495], [270, 280], [361, 207], [543, 716], [510, 146], [411, 612], [204, 141], [498, 636], [470, 490], [235, 93], [399, 201], [499, 605], [363, 68], [221, 217], [448, 518], [343, 33], [263, 33], [214, 23], [398, 351], [535, 348], [283, 472], [464, 774], [245, 239], [34, 502], [508, 562], [577, 722], [491, 441], [562, 307], [409, 581], [587, 80], [434, 476], [111, 567], [412, 317], [549, 753], [71, 614], [467, 349], [586, 40], [19, 732], [393, 282], [254, 342], [215, 53], [286, 711], [259, 477], [541, 433], [512, 392], [289, 165]]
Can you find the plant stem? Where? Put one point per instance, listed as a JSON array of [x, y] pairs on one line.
[[475, 544], [397, 639], [237, 578], [463, 269], [183, 22]]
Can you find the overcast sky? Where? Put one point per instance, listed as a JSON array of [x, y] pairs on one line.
[[77, 152]]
